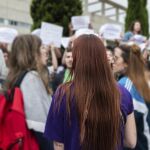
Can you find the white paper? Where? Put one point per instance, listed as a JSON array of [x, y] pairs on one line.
[[7, 35], [139, 39], [79, 22], [142, 46], [51, 34], [36, 32], [110, 31], [84, 31], [65, 41]]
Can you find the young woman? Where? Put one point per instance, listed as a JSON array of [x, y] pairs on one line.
[[134, 29], [91, 111], [27, 55], [130, 65]]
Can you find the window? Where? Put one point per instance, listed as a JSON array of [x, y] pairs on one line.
[[1, 20]]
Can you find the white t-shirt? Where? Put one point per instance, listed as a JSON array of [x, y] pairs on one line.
[[36, 101]]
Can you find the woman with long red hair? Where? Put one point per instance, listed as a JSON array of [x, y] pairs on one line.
[[91, 112]]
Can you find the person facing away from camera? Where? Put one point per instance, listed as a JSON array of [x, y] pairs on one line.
[[91, 111]]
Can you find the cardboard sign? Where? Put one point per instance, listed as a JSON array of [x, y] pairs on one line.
[[110, 31], [51, 34], [79, 22], [7, 35]]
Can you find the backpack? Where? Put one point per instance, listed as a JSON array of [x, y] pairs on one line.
[[14, 133]]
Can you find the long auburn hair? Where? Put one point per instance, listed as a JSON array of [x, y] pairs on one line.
[[136, 69], [25, 55], [97, 97]]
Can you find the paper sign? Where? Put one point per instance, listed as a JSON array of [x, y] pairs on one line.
[[79, 22], [84, 31], [36, 32], [138, 38], [51, 33], [110, 31], [65, 41], [7, 35]]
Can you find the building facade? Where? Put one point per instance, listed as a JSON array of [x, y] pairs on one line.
[[107, 11], [16, 14]]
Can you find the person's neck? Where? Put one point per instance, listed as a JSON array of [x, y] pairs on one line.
[[135, 32]]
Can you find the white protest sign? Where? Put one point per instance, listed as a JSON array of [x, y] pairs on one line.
[[110, 31], [65, 41], [139, 38], [79, 22], [51, 33], [36, 32], [84, 31], [7, 35]]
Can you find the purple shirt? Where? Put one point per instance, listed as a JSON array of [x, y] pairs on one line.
[[58, 128]]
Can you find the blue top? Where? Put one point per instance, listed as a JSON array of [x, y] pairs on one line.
[[141, 114], [58, 129], [127, 36]]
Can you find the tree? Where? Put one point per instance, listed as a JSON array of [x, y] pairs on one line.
[[137, 11], [55, 11]]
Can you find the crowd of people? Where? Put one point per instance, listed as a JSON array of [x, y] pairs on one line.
[[94, 95]]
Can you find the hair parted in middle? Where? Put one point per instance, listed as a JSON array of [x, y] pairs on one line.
[[96, 93]]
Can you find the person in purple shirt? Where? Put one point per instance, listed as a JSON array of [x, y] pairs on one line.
[[91, 112]]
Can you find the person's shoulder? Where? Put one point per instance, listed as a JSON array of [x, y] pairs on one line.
[[126, 99], [128, 32], [123, 90], [31, 77], [127, 36], [123, 80], [64, 88]]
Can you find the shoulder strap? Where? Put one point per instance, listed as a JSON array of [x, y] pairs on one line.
[[20, 78], [10, 96]]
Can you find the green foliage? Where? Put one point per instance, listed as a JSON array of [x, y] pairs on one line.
[[137, 11], [55, 11]]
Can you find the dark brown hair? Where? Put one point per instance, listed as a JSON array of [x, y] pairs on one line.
[[96, 94], [132, 26]]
